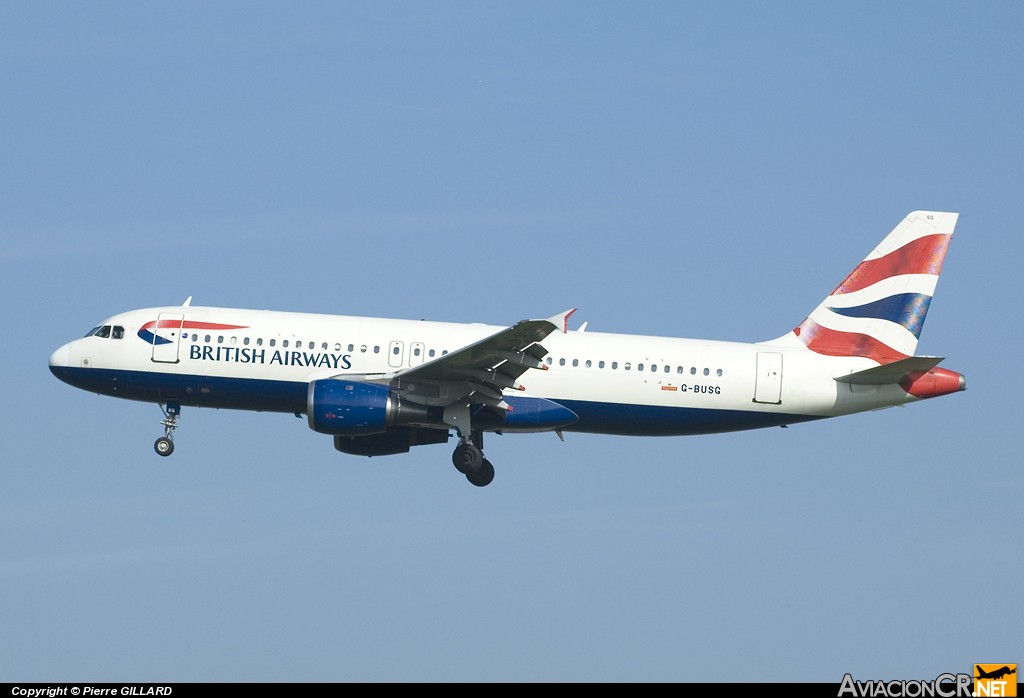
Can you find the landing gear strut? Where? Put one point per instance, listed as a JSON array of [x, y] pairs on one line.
[[469, 460], [164, 446]]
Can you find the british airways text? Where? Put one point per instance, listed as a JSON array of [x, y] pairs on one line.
[[246, 355]]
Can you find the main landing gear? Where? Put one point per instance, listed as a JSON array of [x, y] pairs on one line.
[[164, 446], [469, 460]]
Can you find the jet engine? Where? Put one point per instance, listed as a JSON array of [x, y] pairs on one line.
[[355, 408]]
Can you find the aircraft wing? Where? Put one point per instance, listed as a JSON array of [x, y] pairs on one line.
[[480, 371]]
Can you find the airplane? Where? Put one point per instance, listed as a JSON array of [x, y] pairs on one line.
[[997, 674], [382, 386]]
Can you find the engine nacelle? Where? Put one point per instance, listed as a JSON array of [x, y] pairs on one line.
[[346, 407], [354, 408], [528, 414], [390, 442]]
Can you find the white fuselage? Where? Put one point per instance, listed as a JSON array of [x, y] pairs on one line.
[[622, 384]]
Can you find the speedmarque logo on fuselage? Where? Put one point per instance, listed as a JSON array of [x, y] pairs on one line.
[[156, 338]]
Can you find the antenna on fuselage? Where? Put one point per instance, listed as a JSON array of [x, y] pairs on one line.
[[187, 303]]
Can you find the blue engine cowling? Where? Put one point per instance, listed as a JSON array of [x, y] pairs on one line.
[[354, 408], [349, 408], [528, 414]]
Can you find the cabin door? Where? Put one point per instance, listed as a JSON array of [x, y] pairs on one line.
[[768, 385], [167, 337]]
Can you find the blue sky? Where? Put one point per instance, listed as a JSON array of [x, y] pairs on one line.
[[706, 170]]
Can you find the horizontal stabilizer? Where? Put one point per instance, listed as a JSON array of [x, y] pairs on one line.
[[893, 372]]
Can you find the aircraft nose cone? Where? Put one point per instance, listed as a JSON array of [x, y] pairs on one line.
[[60, 359]]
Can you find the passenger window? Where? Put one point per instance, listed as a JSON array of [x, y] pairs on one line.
[[362, 348], [615, 364], [548, 360], [707, 371], [625, 366], [600, 364], [667, 367], [220, 339], [245, 341], [118, 332], [575, 362], [284, 343], [639, 367], [431, 353], [352, 347], [693, 370], [588, 364], [395, 351], [207, 339], [337, 346], [376, 350], [259, 341], [415, 352], [233, 340], [322, 346], [719, 372], [679, 369], [273, 342]]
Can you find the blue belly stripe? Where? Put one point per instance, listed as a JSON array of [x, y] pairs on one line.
[[290, 396]]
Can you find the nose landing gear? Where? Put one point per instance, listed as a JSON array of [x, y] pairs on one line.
[[164, 446]]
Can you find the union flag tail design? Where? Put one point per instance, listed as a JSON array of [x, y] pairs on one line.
[[878, 311]]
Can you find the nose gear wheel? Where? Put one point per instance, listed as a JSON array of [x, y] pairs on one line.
[[164, 446]]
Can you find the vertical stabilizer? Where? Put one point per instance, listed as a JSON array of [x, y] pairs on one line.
[[877, 312]]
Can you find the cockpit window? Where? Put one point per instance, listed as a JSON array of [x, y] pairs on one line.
[[107, 331]]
